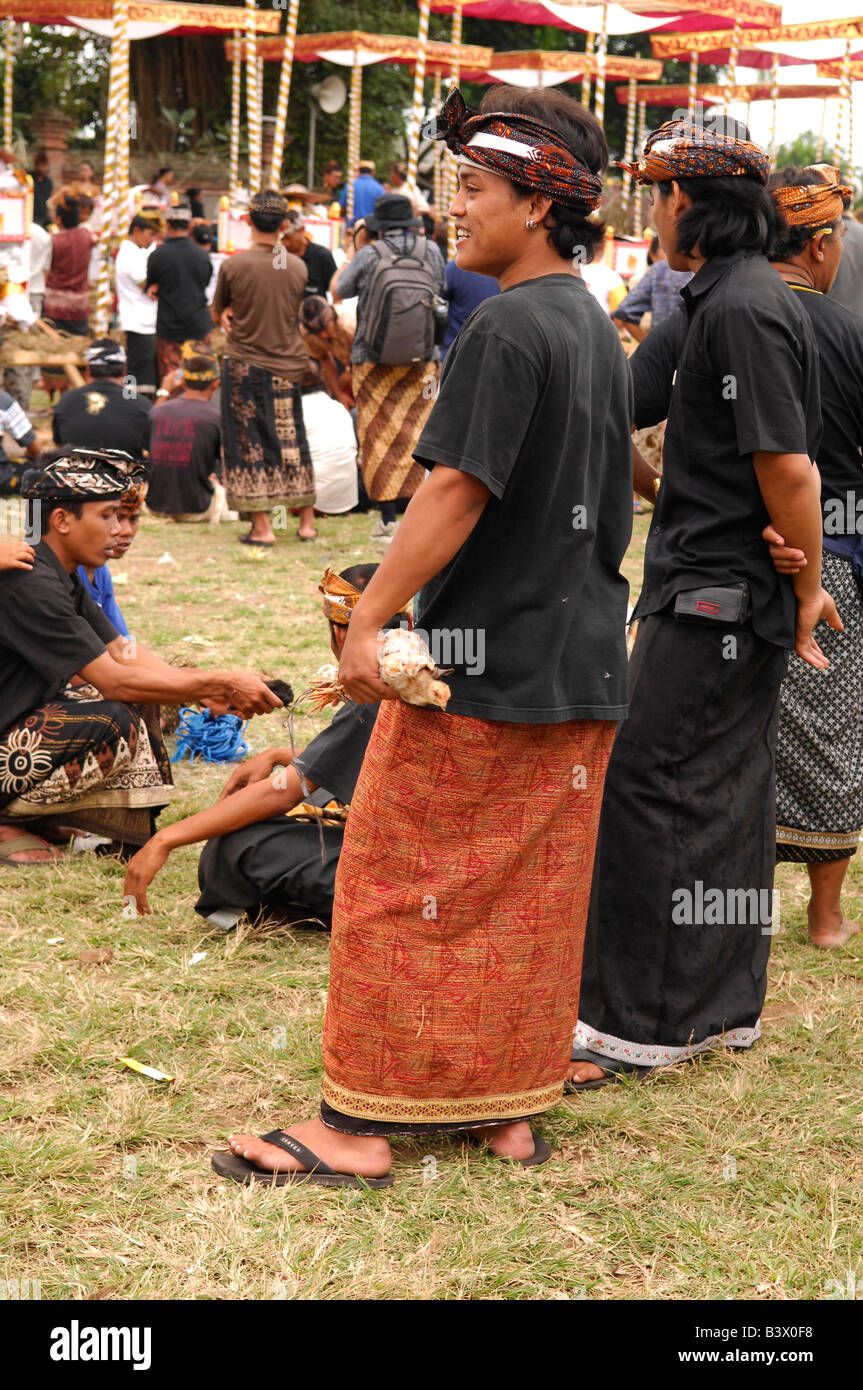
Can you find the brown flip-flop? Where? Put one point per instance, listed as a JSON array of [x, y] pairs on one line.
[[238, 1169], [20, 845]]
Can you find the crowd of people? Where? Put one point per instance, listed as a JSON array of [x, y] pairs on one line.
[[567, 874]]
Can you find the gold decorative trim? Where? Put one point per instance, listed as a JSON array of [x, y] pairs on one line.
[[817, 839], [443, 1109]]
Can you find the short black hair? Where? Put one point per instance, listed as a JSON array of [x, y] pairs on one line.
[[790, 240], [267, 221], [68, 212], [583, 134], [141, 224], [332, 165], [202, 233]]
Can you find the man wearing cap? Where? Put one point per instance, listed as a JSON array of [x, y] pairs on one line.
[[106, 413], [394, 401], [258, 295], [185, 444], [89, 754], [178, 273]]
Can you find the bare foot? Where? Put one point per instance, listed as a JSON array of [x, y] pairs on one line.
[[507, 1141], [345, 1153], [47, 855], [834, 932], [584, 1071]]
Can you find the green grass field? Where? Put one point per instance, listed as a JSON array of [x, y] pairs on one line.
[[736, 1177]]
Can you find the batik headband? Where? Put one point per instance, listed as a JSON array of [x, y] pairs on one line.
[[84, 475], [813, 205], [340, 597], [520, 148], [682, 149]]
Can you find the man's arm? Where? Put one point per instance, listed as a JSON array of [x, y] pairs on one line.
[[791, 490], [438, 521], [258, 802], [133, 682]]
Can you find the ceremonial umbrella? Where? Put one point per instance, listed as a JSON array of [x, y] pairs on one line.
[[123, 21]]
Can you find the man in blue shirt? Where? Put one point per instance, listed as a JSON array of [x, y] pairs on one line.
[[658, 291], [366, 191], [465, 289]]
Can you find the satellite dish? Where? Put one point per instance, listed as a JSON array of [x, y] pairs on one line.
[[331, 94]]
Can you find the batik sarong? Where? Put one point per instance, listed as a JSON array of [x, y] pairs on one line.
[[393, 404], [682, 910], [81, 760], [819, 754], [458, 922], [264, 444]]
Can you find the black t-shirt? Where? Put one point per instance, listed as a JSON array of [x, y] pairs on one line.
[[535, 401], [839, 335], [185, 438], [321, 267], [735, 371], [49, 628], [182, 270], [334, 757], [99, 416]]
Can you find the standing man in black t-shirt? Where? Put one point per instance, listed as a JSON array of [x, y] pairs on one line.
[[106, 413], [319, 262], [681, 915], [178, 273]]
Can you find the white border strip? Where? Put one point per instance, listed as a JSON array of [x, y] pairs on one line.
[[645, 1056]]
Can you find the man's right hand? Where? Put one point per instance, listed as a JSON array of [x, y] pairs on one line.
[[248, 695], [809, 612], [256, 769], [225, 320]]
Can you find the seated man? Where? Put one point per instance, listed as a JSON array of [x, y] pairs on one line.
[[280, 820], [332, 445], [13, 419], [185, 446], [86, 755], [97, 578], [104, 414]]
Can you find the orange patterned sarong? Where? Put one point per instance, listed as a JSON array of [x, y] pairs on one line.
[[393, 405], [459, 917]]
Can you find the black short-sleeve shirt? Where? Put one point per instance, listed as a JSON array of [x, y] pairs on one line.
[[839, 335], [743, 368], [334, 757], [101, 416], [49, 629], [182, 270], [535, 400]]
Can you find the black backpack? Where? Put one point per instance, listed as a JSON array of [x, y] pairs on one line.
[[398, 311]]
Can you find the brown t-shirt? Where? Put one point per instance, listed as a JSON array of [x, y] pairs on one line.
[[265, 291]]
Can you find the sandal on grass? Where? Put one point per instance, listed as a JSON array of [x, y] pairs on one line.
[[21, 845], [613, 1069], [231, 1165], [541, 1151], [248, 540]]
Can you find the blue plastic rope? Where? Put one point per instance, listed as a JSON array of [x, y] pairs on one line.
[[217, 738]]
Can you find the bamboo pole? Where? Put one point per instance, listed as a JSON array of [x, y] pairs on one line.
[[354, 134], [641, 135], [450, 165], [774, 109], [601, 56], [590, 49], [236, 112], [693, 83], [112, 144], [730, 81], [8, 81], [437, 180], [284, 93], [253, 103], [631, 102], [122, 129], [418, 103]]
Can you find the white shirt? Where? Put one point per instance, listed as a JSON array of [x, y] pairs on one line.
[[41, 247], [137, 311], [333, 447], [602, 282]]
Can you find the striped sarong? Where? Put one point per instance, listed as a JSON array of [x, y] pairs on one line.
[[393, 404], [264, 444], [459, 919]]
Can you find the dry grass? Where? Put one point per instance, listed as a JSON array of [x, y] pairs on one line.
[[732, 1178]]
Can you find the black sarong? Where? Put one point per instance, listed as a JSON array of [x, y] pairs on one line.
[[272, 867], [688, 812]]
